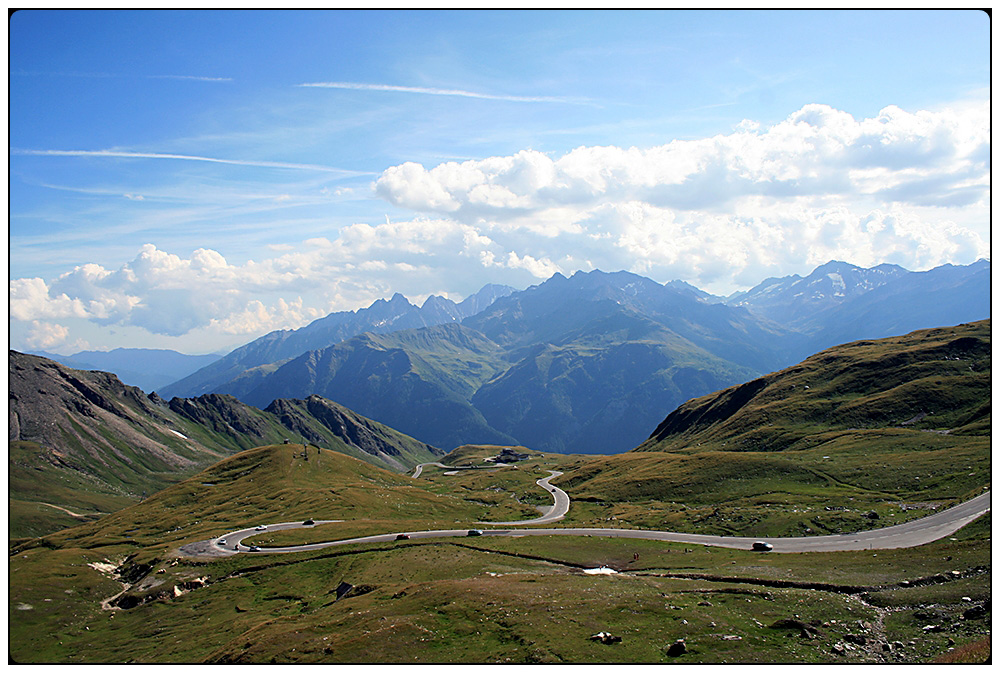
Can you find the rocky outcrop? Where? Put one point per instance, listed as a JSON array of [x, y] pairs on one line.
[[221, 413], [289, 414], [301, 416], [42, 391]]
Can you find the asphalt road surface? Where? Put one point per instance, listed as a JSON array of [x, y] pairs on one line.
[[560, 505], [420, 468], [909, 534], [232, 542]]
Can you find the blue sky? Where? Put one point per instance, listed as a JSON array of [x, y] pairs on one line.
[[192, 180]]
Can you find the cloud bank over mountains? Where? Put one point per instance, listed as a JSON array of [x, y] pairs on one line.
[[723, 212], [909, 188], [817, 151]]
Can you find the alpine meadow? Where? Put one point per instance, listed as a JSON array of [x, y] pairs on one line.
[[383, 336]]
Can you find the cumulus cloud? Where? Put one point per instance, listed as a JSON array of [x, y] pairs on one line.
[[31, 298], [815, 151], [45, 335], [257, 318], [804, 190], [158, 291], [722, 212], [167, 294], [539, 268]]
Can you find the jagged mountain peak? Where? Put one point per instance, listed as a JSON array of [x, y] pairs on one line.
[[796, 298], [688, 288], [382, 316], [436, 300]]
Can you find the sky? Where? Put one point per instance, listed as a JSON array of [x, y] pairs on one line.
[[195, 179]]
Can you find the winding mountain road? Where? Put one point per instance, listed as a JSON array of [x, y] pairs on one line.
[[560, 505], [420, 468], [909, 534]]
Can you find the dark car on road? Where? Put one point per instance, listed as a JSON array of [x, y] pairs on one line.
[[402, 536], [762, 546], [308, 522], [474, 532]]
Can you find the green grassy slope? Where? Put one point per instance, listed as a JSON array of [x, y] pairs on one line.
[[84, 442], [935, 380], [263, 485], [875, 431], [481, 600]]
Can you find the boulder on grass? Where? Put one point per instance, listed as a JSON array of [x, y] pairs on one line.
[[677, 648]]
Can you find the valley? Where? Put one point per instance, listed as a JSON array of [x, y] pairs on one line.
[[911, 534], [866, 467], [84, 442], [580, 364], [389, 336], [121, 591]]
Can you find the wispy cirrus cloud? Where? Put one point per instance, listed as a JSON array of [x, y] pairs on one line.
[[196, 78], [187, 157], [432, 91]]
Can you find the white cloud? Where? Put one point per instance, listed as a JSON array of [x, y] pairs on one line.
[[817, 151], [539, 268], [723, 213], [359, 86], [256, 318], [166, 294], [45, 335], [30, 298], [183, 157], [744, 205], [158, 291]]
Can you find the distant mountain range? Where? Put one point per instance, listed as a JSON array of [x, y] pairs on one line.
[[560, 366], [794, 300], [146, 368], [381, 317], [840, 302], [586, 364]]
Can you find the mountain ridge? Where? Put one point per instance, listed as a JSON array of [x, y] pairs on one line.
[[546, 354], [936, 379], [85, 442], [382, 316]]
